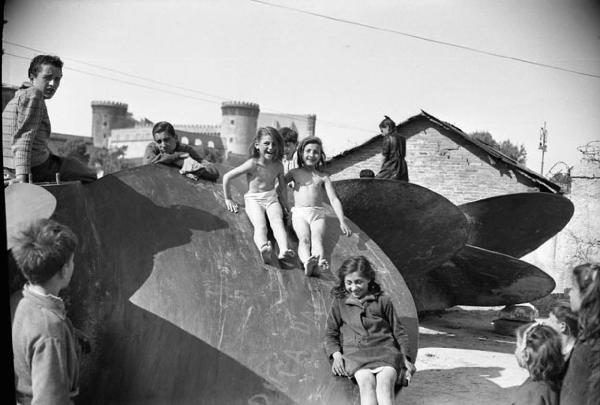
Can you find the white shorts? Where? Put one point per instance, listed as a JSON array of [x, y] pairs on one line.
[[263, 199], [309, 214]]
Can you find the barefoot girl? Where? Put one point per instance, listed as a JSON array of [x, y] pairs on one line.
[[364, 336], [262, 170], [308, 214]]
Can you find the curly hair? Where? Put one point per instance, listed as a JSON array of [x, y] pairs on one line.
[[36, 64], [364, 268], [42, 249], [539, 351], [275, 136], [586, 279], [305, 142]]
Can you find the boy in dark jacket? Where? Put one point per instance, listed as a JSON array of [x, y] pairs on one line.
[[167, 149], [393, 151]]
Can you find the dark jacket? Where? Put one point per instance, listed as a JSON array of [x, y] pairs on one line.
[[367, 333], [581, 385], [535, 393], [153, 154], [394, 154]]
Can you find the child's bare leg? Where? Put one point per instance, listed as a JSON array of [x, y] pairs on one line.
[[317, 231], [366, 384], [257, 217], [275, 214], [386, 379], [303, 232]]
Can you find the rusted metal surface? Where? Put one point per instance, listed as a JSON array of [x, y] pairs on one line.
[[516, 224], [180, 309], [417, 228]]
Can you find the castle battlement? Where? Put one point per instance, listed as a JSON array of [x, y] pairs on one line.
[[109, 104], [240, 104]]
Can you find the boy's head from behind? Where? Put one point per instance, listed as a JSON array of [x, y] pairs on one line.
[[43, 249], [290, 141]]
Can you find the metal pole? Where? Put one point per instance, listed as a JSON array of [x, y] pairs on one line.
[[543, 146]]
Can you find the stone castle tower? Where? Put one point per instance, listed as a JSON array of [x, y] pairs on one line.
[[107, 115], [238, 126]]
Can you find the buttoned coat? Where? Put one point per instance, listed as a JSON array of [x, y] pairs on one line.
[[367, 332]]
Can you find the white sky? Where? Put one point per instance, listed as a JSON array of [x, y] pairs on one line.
[[350, 76]]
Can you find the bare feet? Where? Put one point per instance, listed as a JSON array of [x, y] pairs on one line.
[[265, 251], [310, 266]]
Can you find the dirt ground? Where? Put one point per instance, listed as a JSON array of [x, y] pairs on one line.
[[462, 361]]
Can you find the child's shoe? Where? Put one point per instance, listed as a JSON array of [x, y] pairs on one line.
[[310, 266], [266, 251], [323, 265], [288, 257]]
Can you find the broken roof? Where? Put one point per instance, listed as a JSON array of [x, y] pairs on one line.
[[541, 181]]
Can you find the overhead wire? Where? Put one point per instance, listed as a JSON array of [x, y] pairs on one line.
[[221, 98], [422, 38]]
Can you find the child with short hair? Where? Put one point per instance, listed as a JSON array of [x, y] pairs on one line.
[[538, 351], [564, 321], [364, 337], [44, 343], [581, 385], [290, 143], [263, 170], [308, 214], [167, 149], [394, 152]]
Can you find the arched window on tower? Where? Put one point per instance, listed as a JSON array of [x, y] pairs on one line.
[[185, 140]]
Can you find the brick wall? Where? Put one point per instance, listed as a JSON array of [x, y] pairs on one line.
[[441, 161]]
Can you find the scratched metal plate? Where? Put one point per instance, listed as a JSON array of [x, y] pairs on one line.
[[171, 288], [417, 228], [481, 277], [516, 224]]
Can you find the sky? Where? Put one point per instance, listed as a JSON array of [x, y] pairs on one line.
[[366, 59]]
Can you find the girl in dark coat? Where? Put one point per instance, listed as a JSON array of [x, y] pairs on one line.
[[393, 151], [539, 351], [581, 385], [365, 339]]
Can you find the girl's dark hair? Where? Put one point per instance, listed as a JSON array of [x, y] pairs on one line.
[[587, 278], [164, 126], [36, 64], [288, 135], [544, 359], [42, 249], [277, 139], [302, 146], [562, 312], [361, 265], [387, 123]]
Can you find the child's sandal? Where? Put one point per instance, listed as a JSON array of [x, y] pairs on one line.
[[323, 265]]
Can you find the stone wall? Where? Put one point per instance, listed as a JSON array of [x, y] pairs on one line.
[[579, 241]]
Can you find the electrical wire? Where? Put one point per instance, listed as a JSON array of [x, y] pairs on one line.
[[419, 37]]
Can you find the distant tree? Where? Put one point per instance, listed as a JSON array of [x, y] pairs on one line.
[[110, 160], [516, 152], [74, 148]]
